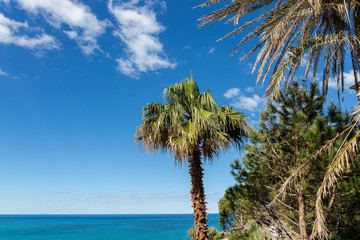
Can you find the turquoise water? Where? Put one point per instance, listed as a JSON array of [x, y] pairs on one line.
[[99, 227]]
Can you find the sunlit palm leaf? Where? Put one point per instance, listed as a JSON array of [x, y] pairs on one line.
[[299, 27], [186, 119]]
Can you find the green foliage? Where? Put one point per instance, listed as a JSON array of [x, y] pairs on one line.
[[214, 234], [189, 118], [286, 156], [192, 233], [254, 233]]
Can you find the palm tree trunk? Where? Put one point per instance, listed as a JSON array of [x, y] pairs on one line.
[[198, 194]]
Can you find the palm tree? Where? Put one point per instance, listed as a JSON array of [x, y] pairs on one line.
[[321, 32], [191, 126]]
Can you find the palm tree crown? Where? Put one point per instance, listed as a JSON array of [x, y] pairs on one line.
[[188, 119]]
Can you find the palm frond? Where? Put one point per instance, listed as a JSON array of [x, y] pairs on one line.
[[189, 119], [314, 27], [346, 152]]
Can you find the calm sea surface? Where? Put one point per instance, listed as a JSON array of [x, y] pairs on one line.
[[99, 227]]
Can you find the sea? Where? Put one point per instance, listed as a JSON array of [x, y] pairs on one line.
[[99, 227]]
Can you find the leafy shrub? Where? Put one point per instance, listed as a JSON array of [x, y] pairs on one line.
[[214, 234], [192, 233]]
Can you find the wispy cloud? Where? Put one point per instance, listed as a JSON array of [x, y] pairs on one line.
[[211, 50], [138, 29], [9, 34], [304, 60], [83, 26], [243, 102], [349, 80], [232, 92], [248, 103], [250, 89], [242, 55], [2, 73], [125, 196]]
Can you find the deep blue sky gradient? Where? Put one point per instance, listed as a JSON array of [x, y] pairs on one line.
[[67, 120]]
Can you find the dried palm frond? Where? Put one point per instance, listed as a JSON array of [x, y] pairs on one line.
[[346, 152], [325, 31], [340, 163], [295, 173]]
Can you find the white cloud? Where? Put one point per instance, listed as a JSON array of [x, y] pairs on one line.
[[349, 80], [250, 89], [127, 196], [84, 26], [139, 29], [71, 34], [211, 50], [232, 92], [248, 103], [304, 60], [2, 73], [240, 101], [9, 34]]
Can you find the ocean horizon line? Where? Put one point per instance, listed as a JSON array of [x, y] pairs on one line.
[[7, 214]]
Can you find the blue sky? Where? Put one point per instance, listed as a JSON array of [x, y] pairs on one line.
[[74, 76]]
